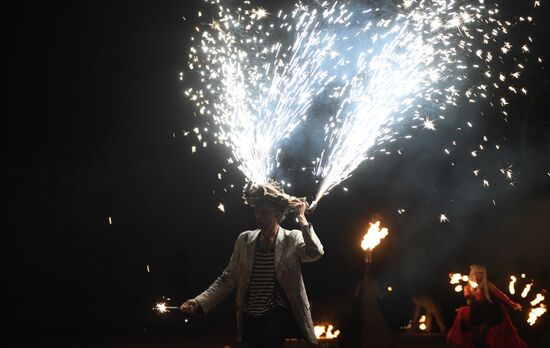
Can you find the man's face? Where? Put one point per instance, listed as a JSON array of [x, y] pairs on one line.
[[267, 215]]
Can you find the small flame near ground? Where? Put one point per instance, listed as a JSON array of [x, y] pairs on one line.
[[325, 331]]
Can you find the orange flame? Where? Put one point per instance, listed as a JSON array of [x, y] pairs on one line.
[[526, 290], [373, 236], [457, 277], [511, 285], [325, 331], [536, 313], [537, 300], [422, 322]]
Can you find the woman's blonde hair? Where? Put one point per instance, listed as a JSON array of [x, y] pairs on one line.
[[483, 285]]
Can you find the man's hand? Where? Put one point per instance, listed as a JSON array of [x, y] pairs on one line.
[[517, 307], [190, 306], [299, 206]]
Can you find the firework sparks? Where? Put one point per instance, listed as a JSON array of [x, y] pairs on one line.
[[410, 53], [256, 89], [378, 69], [163, 308], [443, 218]]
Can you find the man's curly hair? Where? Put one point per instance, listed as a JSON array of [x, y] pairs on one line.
[[272, 193]]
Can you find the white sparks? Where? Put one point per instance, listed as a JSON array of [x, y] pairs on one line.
[[443, 218]]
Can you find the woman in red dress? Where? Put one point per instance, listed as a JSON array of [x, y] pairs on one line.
[[484, 323]]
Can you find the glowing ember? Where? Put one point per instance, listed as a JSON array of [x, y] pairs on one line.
[[458, 288], [325, 331], [536, 313], [221, 207], [422, 322], [473, 284], [511, 287], [526, 290], [443, 218], [373, 236], [537, 300], [457, 277]]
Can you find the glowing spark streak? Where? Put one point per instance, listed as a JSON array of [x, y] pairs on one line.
[[163, 308], [511, 287], [371, 100], [539, 298], [256, 93], [526, 290], [536, 313], [443, 218]]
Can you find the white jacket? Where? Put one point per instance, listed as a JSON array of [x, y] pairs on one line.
[[292, 247]]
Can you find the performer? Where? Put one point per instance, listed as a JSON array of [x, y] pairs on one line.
[[425, 304], [266, 269], [484, 323]]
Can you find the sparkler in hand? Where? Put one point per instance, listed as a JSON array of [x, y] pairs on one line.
[[163, 308]]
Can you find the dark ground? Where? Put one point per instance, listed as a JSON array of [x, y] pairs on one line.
[[218, 341]]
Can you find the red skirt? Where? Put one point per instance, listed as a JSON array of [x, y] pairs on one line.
[[501, 335]]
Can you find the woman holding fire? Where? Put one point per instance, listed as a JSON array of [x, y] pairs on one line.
[[484, 323]]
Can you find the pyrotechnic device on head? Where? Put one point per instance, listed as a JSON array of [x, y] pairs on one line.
[[272, 192]]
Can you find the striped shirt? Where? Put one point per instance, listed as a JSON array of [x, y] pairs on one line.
[[264, 291]]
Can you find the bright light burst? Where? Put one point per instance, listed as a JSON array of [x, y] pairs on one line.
[[426, 56], [163, 308], [255, 88], [376, 68]]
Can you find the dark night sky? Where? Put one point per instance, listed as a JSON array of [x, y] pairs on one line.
[[95, 112]]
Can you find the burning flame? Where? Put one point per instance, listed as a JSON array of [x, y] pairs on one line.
[[456, 278], [473, 284], [373, 236], [536, 313], [511, 285], [526, 290], [322, 331], [422, 322], [537, 300]]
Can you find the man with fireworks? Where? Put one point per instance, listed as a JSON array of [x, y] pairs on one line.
[[265, 267]]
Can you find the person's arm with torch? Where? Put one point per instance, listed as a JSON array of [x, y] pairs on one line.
[[502, 296]]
